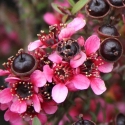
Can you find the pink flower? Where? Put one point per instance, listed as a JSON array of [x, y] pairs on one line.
[[4, 72], [71, 28], [76, 109], [92, 67], [57, 33], [28, 115], [49, 107], [23, 92], [63, 74], [33, 45], [4, 106], [42, 58], [51, 18], [12, 117], [46, 40], [64, 120]]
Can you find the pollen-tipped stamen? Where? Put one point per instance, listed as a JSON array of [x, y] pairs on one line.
[[23, 90]]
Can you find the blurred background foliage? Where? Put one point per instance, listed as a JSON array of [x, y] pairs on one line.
[[20, 21]]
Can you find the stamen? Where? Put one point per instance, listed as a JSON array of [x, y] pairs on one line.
[[47, 90], [63, 72], [23, 90]]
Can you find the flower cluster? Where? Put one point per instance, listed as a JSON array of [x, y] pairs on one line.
[[58, 62]]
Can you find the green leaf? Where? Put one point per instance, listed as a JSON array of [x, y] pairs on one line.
[[78, 6], [55, 7], [106, 77], [71, 2], [36, 121], [64, 18], [93, 115], [41, 6]]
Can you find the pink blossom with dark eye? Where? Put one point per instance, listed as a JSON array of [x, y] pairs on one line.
[[28, 116], [56, 34], [92, 67], [65, 78], [23, 92]]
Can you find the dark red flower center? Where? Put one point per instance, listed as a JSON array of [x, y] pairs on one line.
[[51, 38], [63, 72], [42, 58], [45, 61], [46, 91], [30, 112], [90, 67], [23, 90]]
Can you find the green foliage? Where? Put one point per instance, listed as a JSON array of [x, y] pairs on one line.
[[78, 6], [71, 2], [107, 76], [93, 115], [41, 6], [55, 7], [64, 18], [36, 121]]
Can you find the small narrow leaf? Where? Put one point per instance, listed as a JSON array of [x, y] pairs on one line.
[[107, 76], [78, 6], [36, 121], [56, 8], [71, 2], [65, 17]]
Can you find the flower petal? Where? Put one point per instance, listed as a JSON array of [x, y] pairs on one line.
[[42, 118], [12, 79], [4, 106], [34, 45], [106, 67], [18, 107], [76, 63], [92, 44], [7, 115], [12, 116], [80, 82], [97, 85], [50, 18], [71, 86], [78, 23], [81, 41], [59, 93], [4, 72], [5, 96], [38, 78], [66, 33], [55, 57], [48, 72], [36, 103], [49, 109]]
